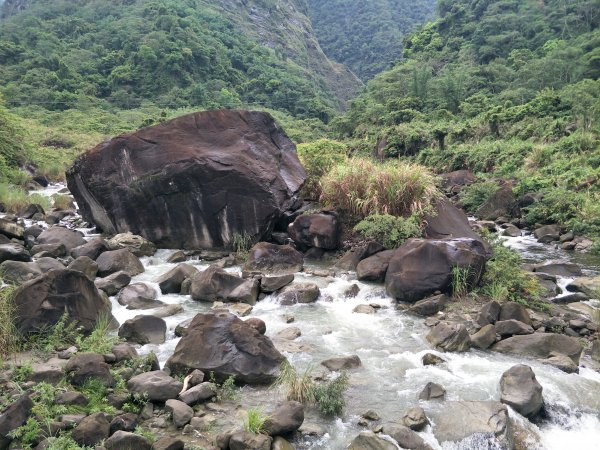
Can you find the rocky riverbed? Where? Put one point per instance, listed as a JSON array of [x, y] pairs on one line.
[[389, 349]]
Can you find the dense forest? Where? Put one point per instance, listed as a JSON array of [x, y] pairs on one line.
[[366, 35], [62, 54], [504, 88]]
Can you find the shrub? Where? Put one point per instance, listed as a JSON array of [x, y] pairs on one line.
[[389, 231], [505, 279], [329, 396], [476, 194], [364, 187], [318, 158], [255, 421]]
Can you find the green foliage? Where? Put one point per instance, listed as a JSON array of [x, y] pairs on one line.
[[299, 388], [461, 281], [363, 187], [242, 243], [135, 403], [227, 390], [389, 231], [64, 442], [15, 198], [366, 36], [255, 421], [476, 194], [28, 434], [96, 392], [100, 340], [505, 279], [9, 335], [329, 395], [145, 433], [173, 53], [318, 158], [21, 372]]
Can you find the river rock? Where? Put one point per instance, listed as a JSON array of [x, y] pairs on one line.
[[289, 333], [91, 430], [113, 283], [92, 248], [473, 424], [512, 327], [352, 257], [181, 414], [61, 235], [520, 390], [137, 245], [561, 362], [139, 296], [272, 283], [192, 182], [587, 285], [450, 337], [512, 231], [157, 385], [489, 313], [216, 284], [570, 298], [567, 270], [168, 443], [199, 393], [364, 309], [85, 265], [273, 259], [12, 417], [220, 342], [501, 203], [547, 233], [421, 267], [429, 359], [342, 363], [124, 352], [46, 264], [448, 222], [86, 366], [286, 419], [299, 293], [125, 440], [516, 311], [374, 267], [431, 391], [320, 230], [540, 345], [124, 422], [367, 440], [405, 437], [280, 443], [14, 252], [19, 272], [170, 282], [11, 230], [119, 261], [244, 440], [52, 250], [144, 330], [258, 324], [41, 302], [485, 337], [430, 306]]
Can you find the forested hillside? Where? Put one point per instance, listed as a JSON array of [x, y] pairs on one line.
[[505, 88], [366, 35], [185, 53]]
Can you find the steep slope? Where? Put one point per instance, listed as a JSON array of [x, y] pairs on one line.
[[506, 88], [173, 53], [366, 36]]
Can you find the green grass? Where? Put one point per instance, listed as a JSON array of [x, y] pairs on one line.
[[255, 421], [460, 281], [15, 198], [100, 340], [296, 387], [389, 231]]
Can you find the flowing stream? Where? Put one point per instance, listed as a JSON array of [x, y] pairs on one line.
[[390, 344]]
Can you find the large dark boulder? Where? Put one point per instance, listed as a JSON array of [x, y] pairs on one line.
[[501, 203], [156, 385], [41, 302], [422, 266], [119, 261], [170, 282], [352, 257], [13, 417], [374, 267], [144, 329], [320, 230], [11, 229], [192, 182], [217, 284], [274, 259], [286, 419], [222, 343]]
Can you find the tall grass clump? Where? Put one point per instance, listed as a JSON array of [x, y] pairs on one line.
[[318, 158], [299, 388], [255, 421], [100, 340], [9, 341], [364, 187], [389, 231], [15, 198]]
